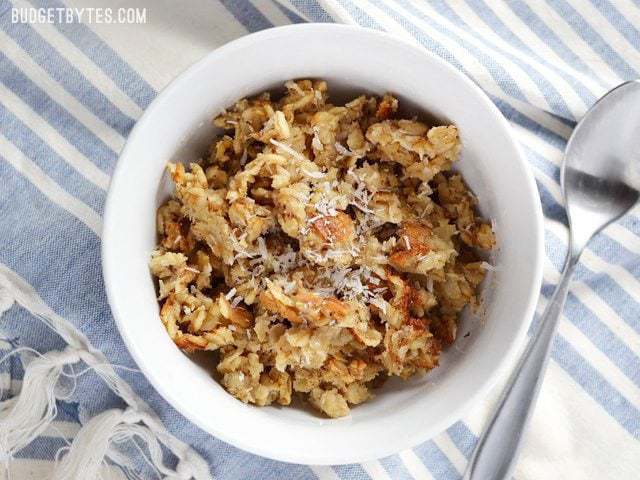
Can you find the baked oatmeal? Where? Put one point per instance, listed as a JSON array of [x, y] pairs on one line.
[[319, 248]]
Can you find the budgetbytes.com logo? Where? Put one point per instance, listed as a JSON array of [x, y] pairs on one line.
[[120, 15]]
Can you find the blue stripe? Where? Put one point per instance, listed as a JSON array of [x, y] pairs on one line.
[[594, 384], [586, 377], [60, 119], [610, 249], [603, 338], [590, 324], [593, 38], [548, 36], [541, 163], [290, 14], [631, 222], [40, 338], [67, 75], [497, 72], [510, 112], [247, 14], [548, 90], [551, 209], [49, 161], [618, 21], [359, 14], [464, 439], [42, 448], [72, 248], [513, 115], [351, 472], [491, 20], [395, 468], [436, 461], [125, 77], [229, 463], [605, 287], [313, 10]]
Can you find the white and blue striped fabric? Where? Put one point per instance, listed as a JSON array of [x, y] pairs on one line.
[[71, 92]]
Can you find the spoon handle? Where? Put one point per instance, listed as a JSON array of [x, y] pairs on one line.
[[497, 449]]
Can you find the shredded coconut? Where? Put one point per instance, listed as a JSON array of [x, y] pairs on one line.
[[487, 266], [286, 148], [236, 301], [342, 150]]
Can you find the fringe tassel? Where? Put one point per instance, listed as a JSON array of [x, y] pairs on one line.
[[6, 299], [98, 440], [25, 417]]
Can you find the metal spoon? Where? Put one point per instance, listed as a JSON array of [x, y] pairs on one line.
[[600, 182]]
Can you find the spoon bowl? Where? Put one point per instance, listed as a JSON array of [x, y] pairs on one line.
[[600, 175]]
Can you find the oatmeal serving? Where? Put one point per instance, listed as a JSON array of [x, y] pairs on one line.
[[319, 248]]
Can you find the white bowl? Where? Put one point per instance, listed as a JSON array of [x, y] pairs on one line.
[[177, 126]]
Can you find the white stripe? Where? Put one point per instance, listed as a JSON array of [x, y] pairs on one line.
[[62, 429], [599, 361], [34, 469], [532, 93], [614, 39], [323, 472], [523, 31], [574, 42], [627, 238], [629, 11], [85, 65], [607, 316], [414, 465], [49, 188], [572, 437], [337, 12], [551, 185], [563, 411], [592, 355], [599, 307], [538, 115], [476, 70], [273, 13], [375, 470], [41, 78], [387, 23], [576, 105], [293, 8], [619, 275], [8, 383], [539, 144], [622, 277], [53, 139]]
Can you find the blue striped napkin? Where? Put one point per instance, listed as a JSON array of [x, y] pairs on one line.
[[71, 92]]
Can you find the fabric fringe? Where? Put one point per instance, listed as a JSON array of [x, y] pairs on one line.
[[26, 416], [98, 438]]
